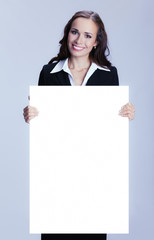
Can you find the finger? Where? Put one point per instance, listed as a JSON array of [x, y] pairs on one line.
[[30, 115], [29, 118], [126, 113], [129, 115], [27, 108], [30, 109], [33, 114], [128, 106], [127, 109]]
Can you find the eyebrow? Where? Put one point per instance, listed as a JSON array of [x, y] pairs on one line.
[[85, 32]]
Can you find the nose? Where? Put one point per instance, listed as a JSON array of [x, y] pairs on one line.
[[79, 39]]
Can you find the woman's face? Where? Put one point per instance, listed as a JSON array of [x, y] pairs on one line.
[[82, 37]]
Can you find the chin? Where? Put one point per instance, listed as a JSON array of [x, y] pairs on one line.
[[78, 53]]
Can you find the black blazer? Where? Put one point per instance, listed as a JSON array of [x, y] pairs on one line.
[[99, 77]]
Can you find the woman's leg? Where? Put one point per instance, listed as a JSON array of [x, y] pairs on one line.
[[73, 237]]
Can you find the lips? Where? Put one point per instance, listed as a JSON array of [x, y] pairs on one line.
[[77, 48]]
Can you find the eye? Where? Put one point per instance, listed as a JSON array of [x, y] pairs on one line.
[[88, 36], [74, 32]]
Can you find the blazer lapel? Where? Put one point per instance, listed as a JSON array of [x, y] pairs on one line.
[[62, 78]]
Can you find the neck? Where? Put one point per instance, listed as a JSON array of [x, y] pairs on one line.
[[79, 63]]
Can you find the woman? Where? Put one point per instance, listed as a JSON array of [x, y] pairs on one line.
[[82, 60]]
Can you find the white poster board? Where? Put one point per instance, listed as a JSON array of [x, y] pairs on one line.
[[79, 160]]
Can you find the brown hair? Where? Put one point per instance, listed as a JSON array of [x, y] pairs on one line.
[[98, 55]]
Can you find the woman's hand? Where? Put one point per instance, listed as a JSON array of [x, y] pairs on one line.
[[30, 113], [128, 110]]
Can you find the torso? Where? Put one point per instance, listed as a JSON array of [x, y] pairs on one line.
[[78, 76]]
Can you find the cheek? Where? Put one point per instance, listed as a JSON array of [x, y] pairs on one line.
[[90, 44], [70, 38]]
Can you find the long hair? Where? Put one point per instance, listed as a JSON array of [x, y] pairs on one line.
[[98, 55]]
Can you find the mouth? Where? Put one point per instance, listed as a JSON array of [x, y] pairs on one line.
[[77, 48]]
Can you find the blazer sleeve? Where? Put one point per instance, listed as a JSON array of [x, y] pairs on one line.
[[115, 78], [42, 81]]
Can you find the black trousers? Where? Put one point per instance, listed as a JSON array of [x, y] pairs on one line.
[[73, 236]]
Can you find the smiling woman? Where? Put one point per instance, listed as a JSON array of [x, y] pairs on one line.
[[89, 25], [82, 60]]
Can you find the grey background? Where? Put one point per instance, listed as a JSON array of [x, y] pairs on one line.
[[30, 32]]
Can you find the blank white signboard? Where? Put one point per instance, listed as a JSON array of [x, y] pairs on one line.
[[79, 160]]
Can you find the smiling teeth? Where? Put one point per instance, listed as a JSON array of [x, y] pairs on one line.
[[78, 48]]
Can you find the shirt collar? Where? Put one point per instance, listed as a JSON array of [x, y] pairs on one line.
[[63, 65]]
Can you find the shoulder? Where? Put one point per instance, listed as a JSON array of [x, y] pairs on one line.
[[49, 77], [111, 76], [113, 69], [45, 73], [49, 67], [105, 77]]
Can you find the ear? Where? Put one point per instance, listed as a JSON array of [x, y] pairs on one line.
[[95, 44]]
